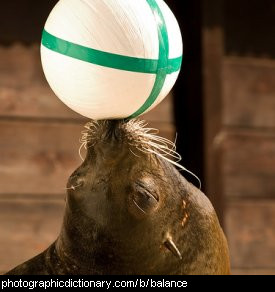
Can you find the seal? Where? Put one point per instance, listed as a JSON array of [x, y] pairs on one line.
[[129, 211]]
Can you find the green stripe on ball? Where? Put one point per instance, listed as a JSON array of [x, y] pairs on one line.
[[162, 61], [105, 59]]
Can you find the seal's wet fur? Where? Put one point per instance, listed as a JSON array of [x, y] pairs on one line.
[[129, 211]]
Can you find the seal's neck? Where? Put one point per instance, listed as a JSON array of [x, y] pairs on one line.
[[75, 246]]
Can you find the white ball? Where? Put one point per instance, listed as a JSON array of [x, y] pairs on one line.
[[111, 59]]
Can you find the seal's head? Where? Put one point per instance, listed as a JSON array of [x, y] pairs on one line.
[[129, 211]]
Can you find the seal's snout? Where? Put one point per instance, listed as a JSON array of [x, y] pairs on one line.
[[113, 130], [105, 140], [105, 131]]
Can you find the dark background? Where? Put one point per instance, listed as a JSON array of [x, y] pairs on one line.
[[222, 107]]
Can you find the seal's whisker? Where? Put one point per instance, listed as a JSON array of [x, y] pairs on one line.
[[74, 187], [84, 144], [166, 152], [138, 206], [134, 153], [175, 142]]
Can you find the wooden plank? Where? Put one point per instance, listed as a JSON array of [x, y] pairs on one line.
[[248, 92], [38, 157], [213, 52], [249, 164], [24, 91], [27, 228], [253, 272], [250, 228]]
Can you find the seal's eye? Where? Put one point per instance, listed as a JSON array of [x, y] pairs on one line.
[[144, 200]]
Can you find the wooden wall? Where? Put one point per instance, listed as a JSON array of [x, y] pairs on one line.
[[239, 94], [38, 151], [248, 162]]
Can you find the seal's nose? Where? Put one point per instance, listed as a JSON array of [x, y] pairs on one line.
[[106, 141], [113, 131]]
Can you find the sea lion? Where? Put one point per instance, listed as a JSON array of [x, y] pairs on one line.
[[130, 212]]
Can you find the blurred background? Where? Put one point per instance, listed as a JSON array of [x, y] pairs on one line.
[[223, 109]]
